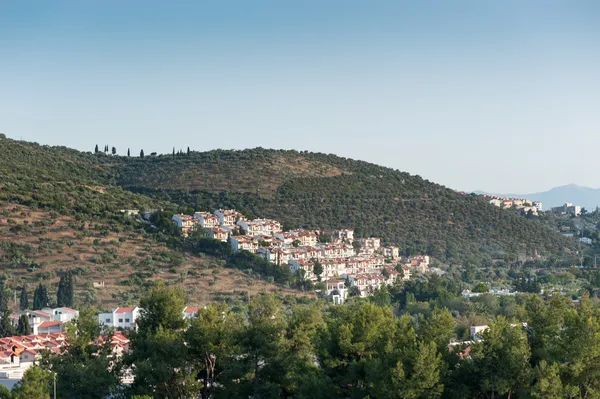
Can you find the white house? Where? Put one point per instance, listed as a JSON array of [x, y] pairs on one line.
[[120, 318], [476, 332], [337, 291], [207, 220], [217, 233], [228, 217], [65, 314], [245, 243], [190, 312]]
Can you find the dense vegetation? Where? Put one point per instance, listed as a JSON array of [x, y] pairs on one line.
[[534, 348], [325, 191]]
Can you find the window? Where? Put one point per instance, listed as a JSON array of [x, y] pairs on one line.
[[108, 320], [120, 320], [126, 320]]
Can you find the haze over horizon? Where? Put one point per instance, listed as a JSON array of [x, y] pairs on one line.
[[501, 96]]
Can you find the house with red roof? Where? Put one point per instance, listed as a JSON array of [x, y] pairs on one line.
[[48, 327], [190, 312]]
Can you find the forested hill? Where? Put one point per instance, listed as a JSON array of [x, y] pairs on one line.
[[326, 191]]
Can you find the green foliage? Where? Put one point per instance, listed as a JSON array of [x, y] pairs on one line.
[[35, 384], [325, 191], [6, 327], [40, 297], [23, 328], [158, 352], [24, 298], [86, 368], [64, 294]]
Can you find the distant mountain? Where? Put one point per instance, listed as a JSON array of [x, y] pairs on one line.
[[586, 197]]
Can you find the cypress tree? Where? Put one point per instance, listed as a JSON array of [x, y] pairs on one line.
[[64, 294], [128, 153], [24, 299], [188, 151], [173, 152], [6, 327], [40, 297], [24, 328], [96, 149], [142, 154]]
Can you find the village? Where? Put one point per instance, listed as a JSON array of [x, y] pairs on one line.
[[344, 264], [48, 326]]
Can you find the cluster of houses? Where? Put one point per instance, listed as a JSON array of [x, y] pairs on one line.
[[346, 262], [18, 353], [47, 320], [521, 204]]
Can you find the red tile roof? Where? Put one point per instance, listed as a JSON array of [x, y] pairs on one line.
[[124, 310], [191, 309], [47, 324]]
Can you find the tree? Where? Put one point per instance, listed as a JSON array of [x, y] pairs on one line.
[[173, 152], [158, 352], [502, 359], [96, 149], [24, 298], [188, 151], [106, 149], [5, 393], [317, 269], [87, 367], [438, 328], [263, 342], [23, 327], [64, 294], [6, 327], [128, 153], [547, 382], [40, 297], [142, 154], [381, 297], [213, 344], [35, 384], [114, 151], [356, 246]]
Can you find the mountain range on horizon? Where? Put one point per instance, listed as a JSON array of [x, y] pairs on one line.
[[586, 197]]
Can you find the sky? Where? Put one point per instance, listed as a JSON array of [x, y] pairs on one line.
[[502, 96]]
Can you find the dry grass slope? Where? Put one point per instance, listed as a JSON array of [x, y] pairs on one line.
[[36, 245]]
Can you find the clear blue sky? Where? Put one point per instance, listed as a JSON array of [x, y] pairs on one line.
[[495, 95]]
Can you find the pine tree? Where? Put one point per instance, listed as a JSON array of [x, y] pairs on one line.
[[40, 297], [24, 300], [128, 153], [6, 327], [142, 154], [24, 328], [114, 151], [96, 149]]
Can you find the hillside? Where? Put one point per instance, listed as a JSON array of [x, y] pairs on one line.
[[60, 209], [299, 188], [329, 192]]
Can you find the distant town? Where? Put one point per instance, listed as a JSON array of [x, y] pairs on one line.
[[342, 262]]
